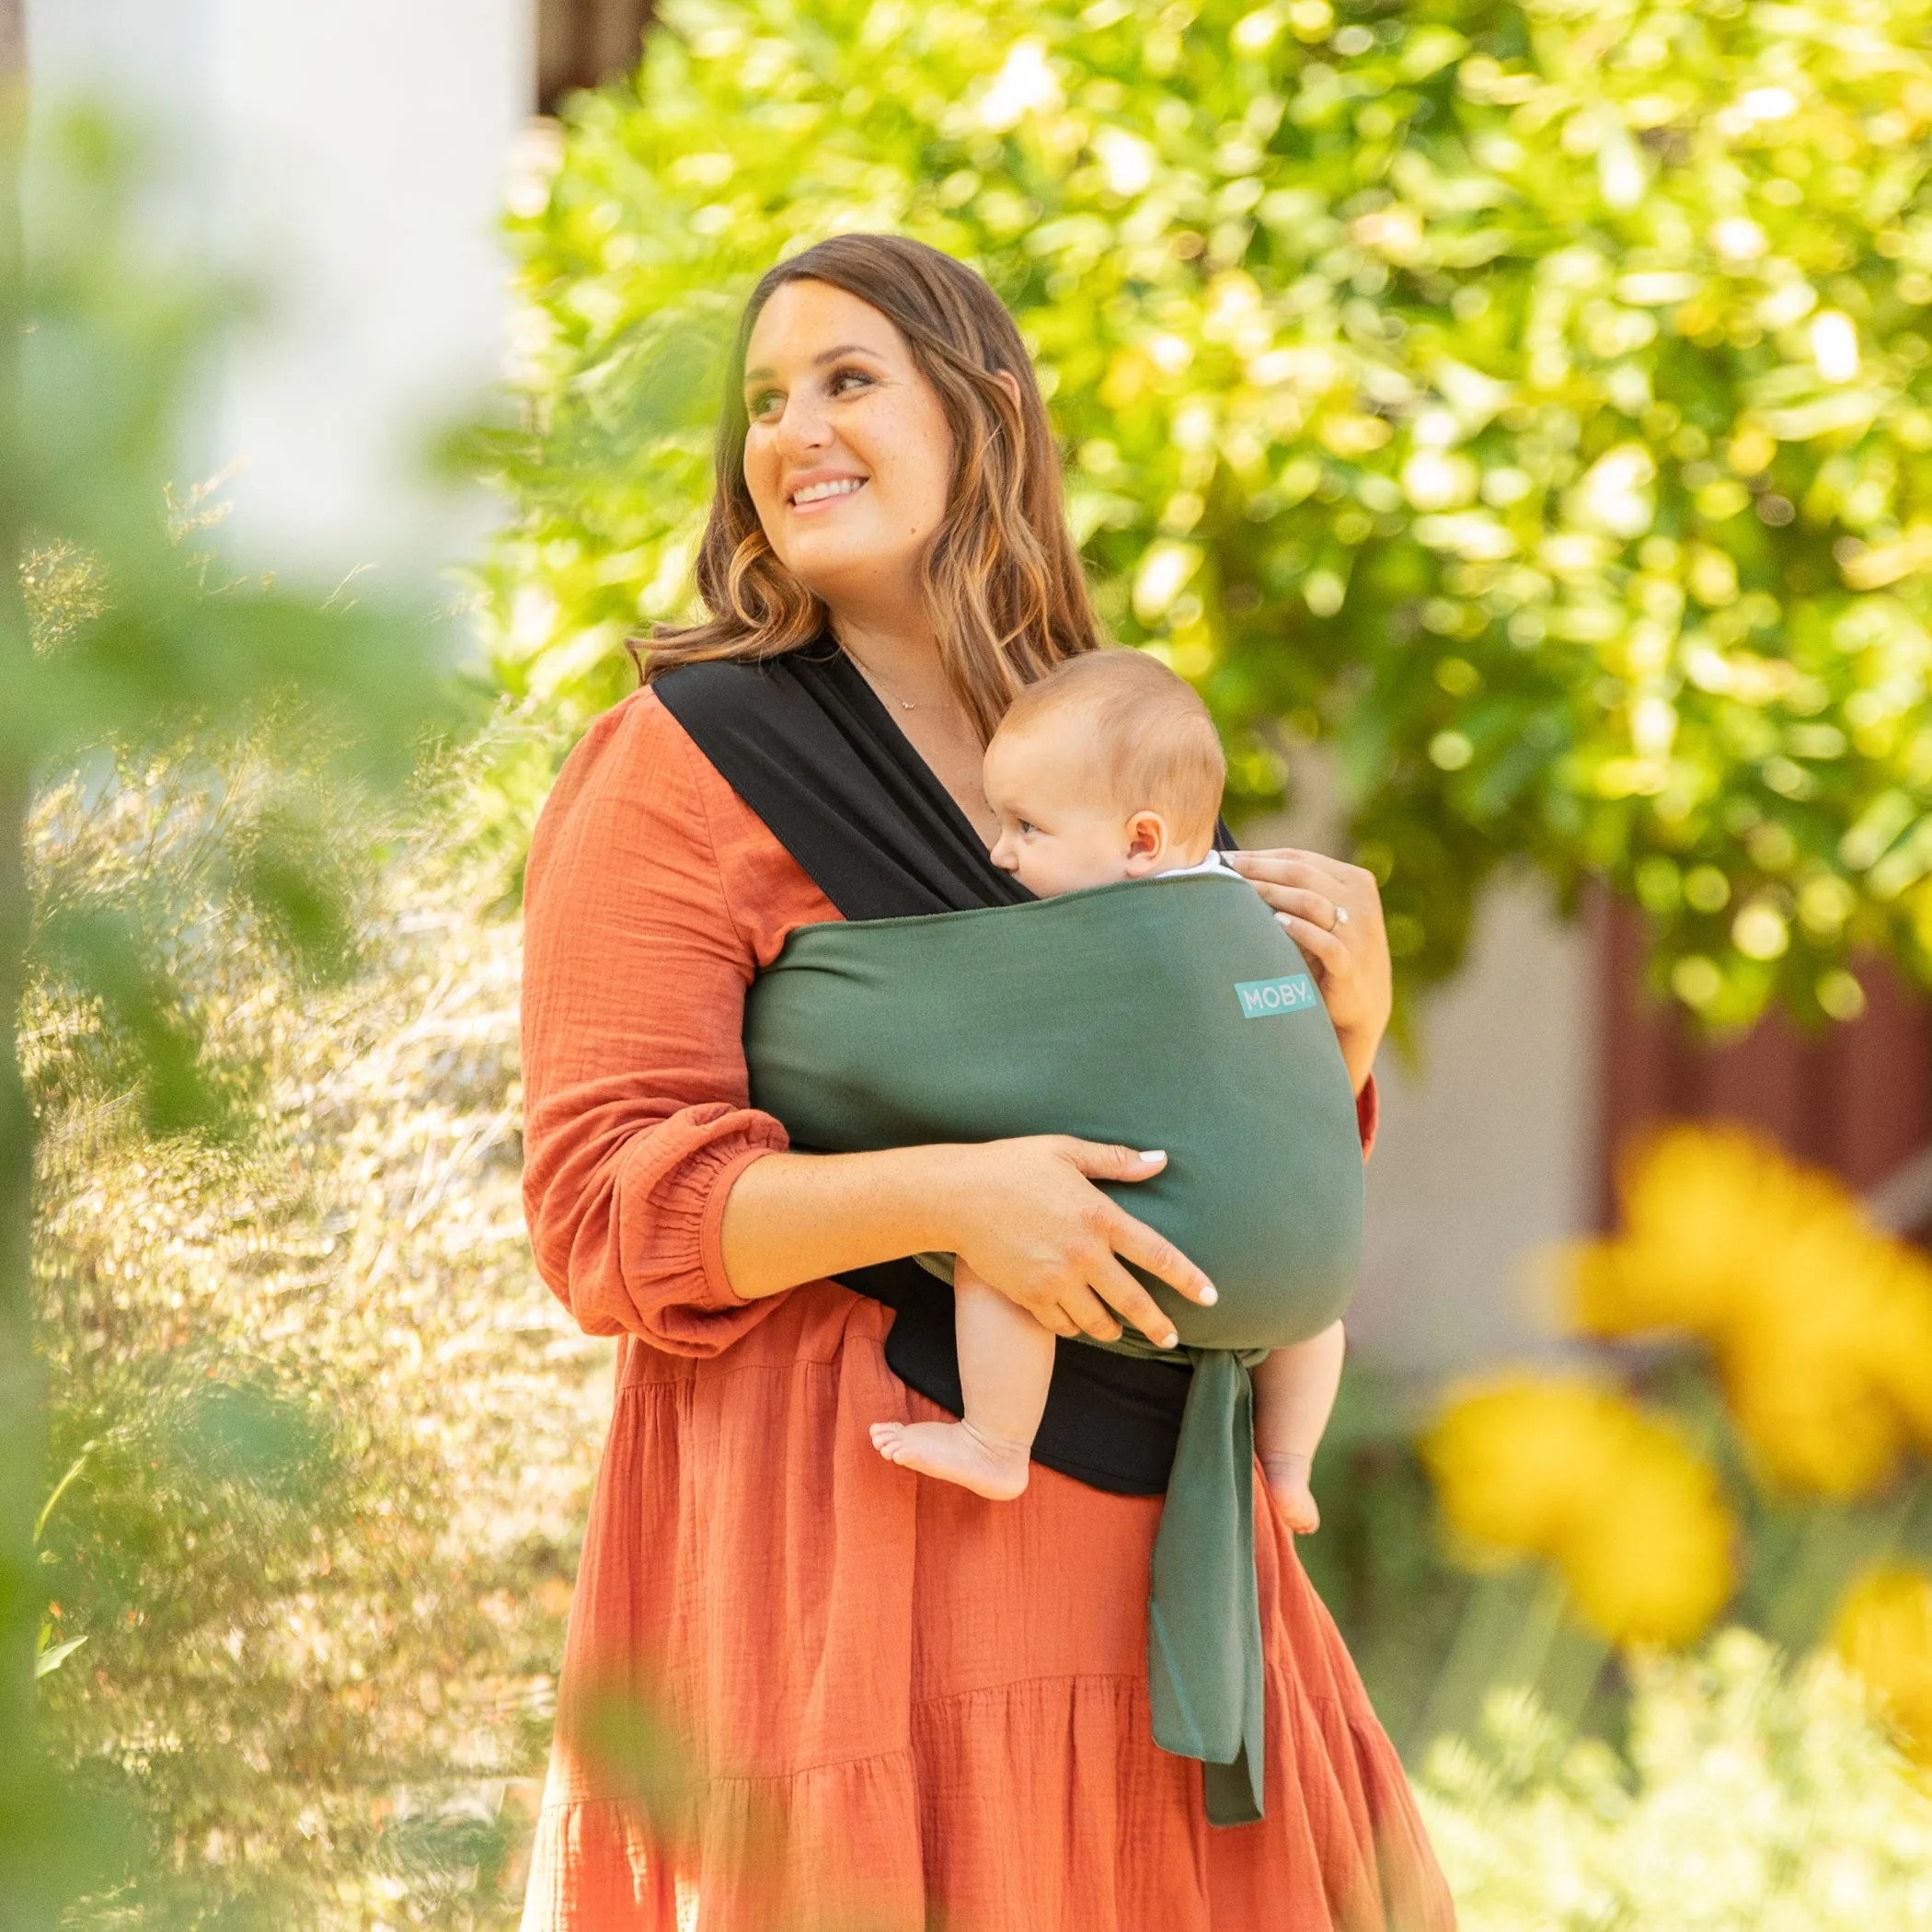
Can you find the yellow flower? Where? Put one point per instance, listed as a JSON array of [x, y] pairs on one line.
[[1901, 1342], [1511, 1460], [1707, 1211], [1884, 1633], [1559, 1468], [1820, 1326], [1651, 1563], [1810, 1414]]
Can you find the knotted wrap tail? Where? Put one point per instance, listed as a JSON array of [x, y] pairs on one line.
[[1204, 1667]]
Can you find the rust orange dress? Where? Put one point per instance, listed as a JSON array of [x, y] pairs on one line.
[[891, 1705]]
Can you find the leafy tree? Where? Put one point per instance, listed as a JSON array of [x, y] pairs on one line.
[[1753, 1793], [1534, 397]]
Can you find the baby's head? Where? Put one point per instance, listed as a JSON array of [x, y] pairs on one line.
[[1108, 768]]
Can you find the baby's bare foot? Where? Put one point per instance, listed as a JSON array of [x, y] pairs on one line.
[[1288, 1483], [1298, 1507], [958, 1453]]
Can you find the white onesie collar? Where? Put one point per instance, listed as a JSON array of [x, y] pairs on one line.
[[1214, 862]]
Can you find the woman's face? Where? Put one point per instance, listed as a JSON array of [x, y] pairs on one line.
[[847, 458]]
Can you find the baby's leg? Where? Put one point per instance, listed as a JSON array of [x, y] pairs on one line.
[[1294, 1396], [1005, 1366]]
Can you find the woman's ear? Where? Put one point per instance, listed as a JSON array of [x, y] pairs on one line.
[[1008, 382], [1147, 843]]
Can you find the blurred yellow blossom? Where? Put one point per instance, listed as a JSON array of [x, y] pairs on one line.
[[1557, 1468], [1884, 1633], [1820, 1325]]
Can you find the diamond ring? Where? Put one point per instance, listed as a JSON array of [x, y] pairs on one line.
[[1342, 917]]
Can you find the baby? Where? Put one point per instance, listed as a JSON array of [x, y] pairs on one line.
[[1108, 768]]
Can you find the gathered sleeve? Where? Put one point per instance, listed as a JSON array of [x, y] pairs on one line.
[[636, 1117]]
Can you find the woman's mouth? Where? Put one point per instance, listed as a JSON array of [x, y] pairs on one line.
[[826, 492]]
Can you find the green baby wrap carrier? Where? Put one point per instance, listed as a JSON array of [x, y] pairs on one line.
[[1169, 1013]]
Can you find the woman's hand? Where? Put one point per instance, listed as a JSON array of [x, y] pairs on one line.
[[1333, 912], [1026, 1216]]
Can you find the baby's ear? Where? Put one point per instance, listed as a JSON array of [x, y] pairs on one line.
[[1147, 843]]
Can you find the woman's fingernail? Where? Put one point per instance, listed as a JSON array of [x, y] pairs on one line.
[[1171, 1342], [1154, 1154], [1210, 1295]]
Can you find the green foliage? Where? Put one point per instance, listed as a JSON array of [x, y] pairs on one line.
[[1534, 397], [210, 723], [1753, 1799]]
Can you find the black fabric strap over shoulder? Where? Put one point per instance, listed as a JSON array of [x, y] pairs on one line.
[[805, 741]]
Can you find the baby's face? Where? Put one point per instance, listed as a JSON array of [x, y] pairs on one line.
[[1059, 829]]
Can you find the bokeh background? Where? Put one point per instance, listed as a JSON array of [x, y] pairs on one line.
[[1516, 418]]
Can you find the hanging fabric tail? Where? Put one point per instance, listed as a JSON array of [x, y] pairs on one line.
[[1205, 1664]]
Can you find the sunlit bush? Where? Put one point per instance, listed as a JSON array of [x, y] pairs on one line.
[[1537, 397], [327, 1441], [1753, 1799]]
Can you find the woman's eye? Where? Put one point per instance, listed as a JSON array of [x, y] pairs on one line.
[[762, 404], [846, 376]]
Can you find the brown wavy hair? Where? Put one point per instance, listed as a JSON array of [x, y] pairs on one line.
[[1001, 579]]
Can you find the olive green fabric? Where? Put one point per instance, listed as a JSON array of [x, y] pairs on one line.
[[1169, 1013]]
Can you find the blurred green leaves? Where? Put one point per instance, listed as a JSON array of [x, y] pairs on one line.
[[1534, 398], [195, 731]]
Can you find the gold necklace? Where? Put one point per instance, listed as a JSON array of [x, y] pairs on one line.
[[905, 704], [983, 812]]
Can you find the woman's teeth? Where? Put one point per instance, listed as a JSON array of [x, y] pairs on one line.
[[817, 492]]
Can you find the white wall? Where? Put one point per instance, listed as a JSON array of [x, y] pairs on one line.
[[352, 156], [157, 55], [1485, 1152]]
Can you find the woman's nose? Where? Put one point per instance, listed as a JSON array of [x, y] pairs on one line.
[[802, 428]]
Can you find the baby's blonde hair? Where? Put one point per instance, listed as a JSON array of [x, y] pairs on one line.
[[1152, 735]]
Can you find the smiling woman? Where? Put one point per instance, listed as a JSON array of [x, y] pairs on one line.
[[862, 365], [900, 1702]]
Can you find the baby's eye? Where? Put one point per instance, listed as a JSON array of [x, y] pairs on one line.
[[1026, 828]]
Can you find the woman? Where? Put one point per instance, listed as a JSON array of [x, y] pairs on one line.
[[889, 1704]]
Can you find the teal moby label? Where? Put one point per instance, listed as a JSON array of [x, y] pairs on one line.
[[1295, 993]]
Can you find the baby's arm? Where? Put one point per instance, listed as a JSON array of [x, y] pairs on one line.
[[1294, 1396]]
